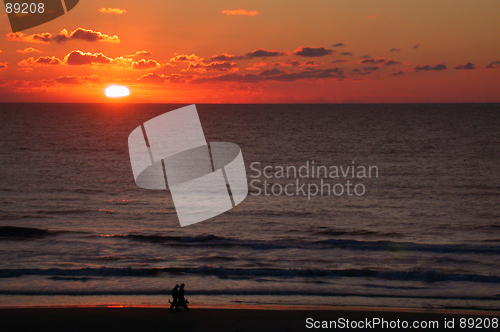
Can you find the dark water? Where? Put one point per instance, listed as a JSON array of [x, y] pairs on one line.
[[424, 233]]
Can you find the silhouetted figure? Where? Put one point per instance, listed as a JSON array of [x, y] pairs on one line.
[[175, 298], [182, 300]]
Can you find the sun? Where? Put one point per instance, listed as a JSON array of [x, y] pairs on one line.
[[115, 91]]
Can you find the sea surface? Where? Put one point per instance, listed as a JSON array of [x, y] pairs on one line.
[[422, 232]]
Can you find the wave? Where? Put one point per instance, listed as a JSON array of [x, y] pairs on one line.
[[222, 272], [13, 232], [213, 240], [242, 292], [164, 239], [209, 240]]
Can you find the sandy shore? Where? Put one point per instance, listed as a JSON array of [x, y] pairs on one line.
[[241, 318]]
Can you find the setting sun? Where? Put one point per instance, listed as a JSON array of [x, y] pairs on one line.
[[115, 91]]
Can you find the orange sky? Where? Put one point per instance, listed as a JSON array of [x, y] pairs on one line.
[[258, 51]]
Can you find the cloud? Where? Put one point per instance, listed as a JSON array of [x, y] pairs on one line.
[[63, 36], [416, 46], [85, 34], [42, 38], [372, 60], [493, 64], [287, 63], [312, 51], [186, 57], [372, 16], [439, 66], [370, 68], [340, 61], [398, 73], [240, 12], [75, 80], [213, 66], [160, 79], [346, 53], [338, 45], [273, 75], [199, 64], [79, 58], [226, 57], [392, 62], [269, 72], [145, 64], [137, 54], [112, 10], [41, 61], [3, 65], [293, 63], [394, 50], [467, 66], [261, 53], [29, 50], [365, 57]]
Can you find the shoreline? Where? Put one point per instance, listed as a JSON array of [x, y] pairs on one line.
[[269, 307], [239, 318]]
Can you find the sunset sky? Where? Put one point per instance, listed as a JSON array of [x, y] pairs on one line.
[[322, 51]]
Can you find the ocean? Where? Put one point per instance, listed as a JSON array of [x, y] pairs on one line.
[[421, 230]]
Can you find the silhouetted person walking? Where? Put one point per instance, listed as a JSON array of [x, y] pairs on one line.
[[182, 300], [175, 298]]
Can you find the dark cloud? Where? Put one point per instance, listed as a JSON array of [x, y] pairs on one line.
[[439, 66], [365, 57], [394, 50], [346, 53], [273, 76], [84, 34], [398, 73], [355, 70], [392, 62], [340, 61], [226, 57], [289, 62], [493, 64], [372, 61], [370, 68], [292, 63], [261, 53], [274, 71], [78, 58], [416, 46], [3, 65], [41, 61], [35, 38], [467, 66], [338, 45], [312, 51]]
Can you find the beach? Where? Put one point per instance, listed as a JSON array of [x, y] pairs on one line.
[[237, 318]]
